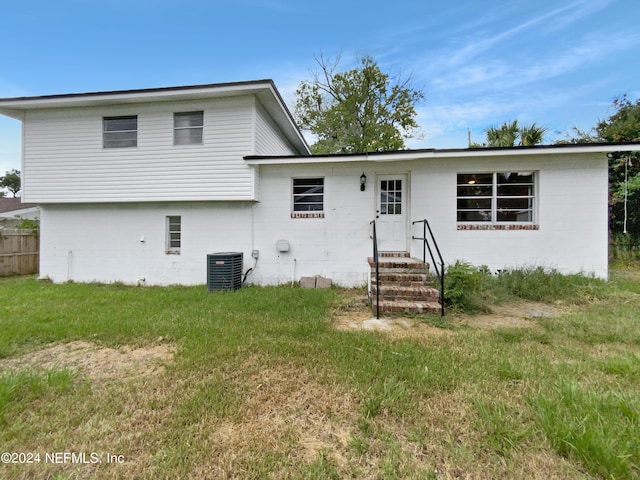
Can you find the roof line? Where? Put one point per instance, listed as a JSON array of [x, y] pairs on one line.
[[449, 150], [141, 90]]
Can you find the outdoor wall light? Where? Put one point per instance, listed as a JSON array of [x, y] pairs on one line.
[[363, 181]]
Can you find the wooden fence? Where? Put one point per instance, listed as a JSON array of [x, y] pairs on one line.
[[19, 252]]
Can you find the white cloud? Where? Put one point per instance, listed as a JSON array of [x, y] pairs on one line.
[[498, 75], [477, 46]]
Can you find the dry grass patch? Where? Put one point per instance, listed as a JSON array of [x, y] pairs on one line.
[[449, 443], [96, 362], [287, 414], [121, 397], [355, 314]]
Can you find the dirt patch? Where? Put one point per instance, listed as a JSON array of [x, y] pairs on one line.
[[357, 316], [97, 362], [519, 314], [392, 326]]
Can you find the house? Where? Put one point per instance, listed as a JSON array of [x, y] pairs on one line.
[[13, 207], [139, 186]]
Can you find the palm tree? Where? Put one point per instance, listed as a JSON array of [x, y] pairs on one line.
[[510, 132], [503, 136], [532, 134]]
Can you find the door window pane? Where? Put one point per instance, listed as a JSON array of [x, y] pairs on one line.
[[390, 197]]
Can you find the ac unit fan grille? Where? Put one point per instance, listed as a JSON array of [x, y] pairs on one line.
[[224, 271]]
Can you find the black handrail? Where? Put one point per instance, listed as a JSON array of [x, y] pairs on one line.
[[375, 260], [425, 246]]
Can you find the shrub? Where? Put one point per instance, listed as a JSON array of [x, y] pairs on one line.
[[30, 224], [624, 248], [540, 284], [467, 288], [474, 289]]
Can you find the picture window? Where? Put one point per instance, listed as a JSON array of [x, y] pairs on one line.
[[498, 197]]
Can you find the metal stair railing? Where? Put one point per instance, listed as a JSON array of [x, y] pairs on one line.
[[426, 246], [375, 261]]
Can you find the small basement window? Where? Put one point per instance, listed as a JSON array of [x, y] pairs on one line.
[[188, 128], [308, 198], [174, 234], [120, 132]]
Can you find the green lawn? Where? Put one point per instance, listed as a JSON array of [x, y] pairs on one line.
[[261, 385]]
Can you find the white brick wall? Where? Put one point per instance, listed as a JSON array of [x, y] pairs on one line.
[[102, 242]]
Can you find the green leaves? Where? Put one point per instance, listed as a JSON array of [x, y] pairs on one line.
[[622, 126], [11, 181], [359, 110], [511, 132]]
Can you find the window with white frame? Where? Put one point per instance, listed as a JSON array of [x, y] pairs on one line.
[[174, 234], [308, 194], [188, 128], [497, 197], [120, 132]]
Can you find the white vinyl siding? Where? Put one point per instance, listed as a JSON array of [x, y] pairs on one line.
[[65, 162], [269, 140]]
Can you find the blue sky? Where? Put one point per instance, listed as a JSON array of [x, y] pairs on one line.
[[557, 63]]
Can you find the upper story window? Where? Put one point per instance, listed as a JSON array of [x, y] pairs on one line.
[[119, 132], [187, 128], [496, 197]]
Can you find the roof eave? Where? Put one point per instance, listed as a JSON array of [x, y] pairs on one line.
[[404, 155], [132, 96]]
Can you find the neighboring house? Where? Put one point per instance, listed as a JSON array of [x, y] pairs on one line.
[[139, 186], [13, 208]]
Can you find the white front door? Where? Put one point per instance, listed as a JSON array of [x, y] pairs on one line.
[[391, 213]]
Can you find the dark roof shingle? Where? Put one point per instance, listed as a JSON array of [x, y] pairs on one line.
[[11, 204]]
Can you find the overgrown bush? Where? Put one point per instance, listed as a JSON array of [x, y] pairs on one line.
[[30, 224], [624, 248], [548, 285], [467, 288]]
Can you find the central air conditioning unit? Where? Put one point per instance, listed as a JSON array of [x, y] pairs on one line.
[[224, 271]]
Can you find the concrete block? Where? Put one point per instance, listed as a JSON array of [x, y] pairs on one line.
[[308, 282], [322, 282]]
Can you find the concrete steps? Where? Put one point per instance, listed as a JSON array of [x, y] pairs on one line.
[[405, 286]]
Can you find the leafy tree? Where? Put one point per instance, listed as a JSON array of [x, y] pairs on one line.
[[511, 134], [11, 181], [359, 110], [624, 167], [623, 125]]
